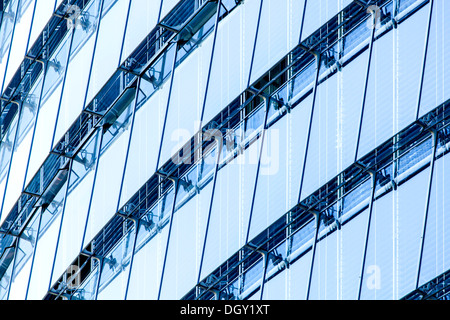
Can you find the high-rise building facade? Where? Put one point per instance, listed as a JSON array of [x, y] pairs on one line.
[[224, 149]]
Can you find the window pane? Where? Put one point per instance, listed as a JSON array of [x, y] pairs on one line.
[[186, 244], [318, 12], [22, 146], [338, 259], [20, 38], [109, 43], [115, 271], [72, 101], [232, 57], [145, 276], [146, 136], [142, 19], [394, 241], [110, 169], [46, 247], [23, 260], [299, 277], [378, 121], [278, 33], [410, 37], [332, 144], [230, 211], [281, 167], [436, 88], [77, 203], [48, 108], [436, 252], [186, 100]]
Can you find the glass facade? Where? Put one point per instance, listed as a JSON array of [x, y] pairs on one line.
[[224, 150]]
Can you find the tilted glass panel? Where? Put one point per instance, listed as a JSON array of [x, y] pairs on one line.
[[167, 6], [185, 247], [145, 274], [42, 14], [436, 88], [338, 259], [379, 265], [436, 253], [46, 246], [186, 100], [6, 148], [335, 125], [72, 101], [281, 167], [23, 260], [141, 20], [6, 30], [409, 46], [147, 130], [227, 230], [7, 264], [88, 289], [115, 271], [378, 117], [319, 12], [277, 287], [394, 241], [111, 165], [232, 57], [299, 276], [48, 108], [77, 204], [20, 38], [409, 217], [278, 33], [22, 146], [108, 46]]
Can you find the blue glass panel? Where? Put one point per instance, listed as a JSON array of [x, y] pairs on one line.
[[20, 39], [141, 20], [23, 259], [394, 241], [81, 54], [281, 167], [22, 146], [232, 57], [279, 32], [147, 266], [436, 88], [186, 244], [337, 111], [230, 211], [77, 204], [299, 277], [318, 12], [110, 169], [115, 270], [48, 108], [436, 252], [410, 38], [107, 49], [186, 100], [46, 246], [378, 119], [338, 259]]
